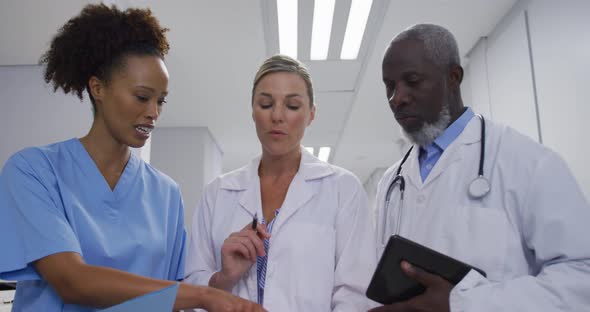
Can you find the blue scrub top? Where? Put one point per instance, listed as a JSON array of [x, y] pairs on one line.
[[54, 199]]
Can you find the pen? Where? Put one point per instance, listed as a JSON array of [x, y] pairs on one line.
[[255, 222]]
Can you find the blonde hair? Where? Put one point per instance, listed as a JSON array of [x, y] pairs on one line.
[[283, 63]]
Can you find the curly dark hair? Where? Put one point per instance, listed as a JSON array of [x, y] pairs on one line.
[[97, 41]]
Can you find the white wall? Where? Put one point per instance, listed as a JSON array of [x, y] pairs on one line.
[[501, 77], [535, 64], [191, 157], [476, 72], [560, 40], [509, 69], [33, 115]]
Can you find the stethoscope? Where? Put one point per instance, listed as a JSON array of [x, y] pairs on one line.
[[478, 188]]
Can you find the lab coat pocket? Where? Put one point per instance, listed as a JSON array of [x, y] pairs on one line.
[[312, 259], [304, 304], [481, 240]]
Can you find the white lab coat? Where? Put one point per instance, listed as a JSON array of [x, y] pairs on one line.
[[322, 253], [529, 234]]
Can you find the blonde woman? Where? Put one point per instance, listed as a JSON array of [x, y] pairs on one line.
[[311, 244]]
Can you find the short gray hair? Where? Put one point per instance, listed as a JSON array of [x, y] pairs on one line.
[[283, 63], [439, 43]]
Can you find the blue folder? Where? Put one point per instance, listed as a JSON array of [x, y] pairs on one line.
[[157, 301]]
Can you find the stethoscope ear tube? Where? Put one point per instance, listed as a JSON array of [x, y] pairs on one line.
[[480, 186], [402, 188], [482, 149]]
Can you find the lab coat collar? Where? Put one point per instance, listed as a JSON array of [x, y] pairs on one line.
[[471, 135], [300, 191], [472, 132], [241, 179]]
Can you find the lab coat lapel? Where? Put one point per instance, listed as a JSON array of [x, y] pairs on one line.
[[249, 182], [250, 200], [470, 135], [411, 170], [448, 157], [298, 194], [301, 189]]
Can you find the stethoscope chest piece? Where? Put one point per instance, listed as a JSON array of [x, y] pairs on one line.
[[479, 187]]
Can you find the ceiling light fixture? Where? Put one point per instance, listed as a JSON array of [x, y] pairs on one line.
[[287, 16], [355, 28], [323, 14]]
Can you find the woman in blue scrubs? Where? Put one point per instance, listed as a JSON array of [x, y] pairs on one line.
[[92, 225]]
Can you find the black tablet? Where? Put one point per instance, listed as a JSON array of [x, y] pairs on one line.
[[390, 284]]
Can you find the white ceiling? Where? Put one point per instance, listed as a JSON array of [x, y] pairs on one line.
[[217, 46]]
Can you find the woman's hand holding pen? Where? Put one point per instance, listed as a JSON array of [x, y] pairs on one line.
[[239, 252]]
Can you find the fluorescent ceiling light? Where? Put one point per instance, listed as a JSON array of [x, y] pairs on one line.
[[323, 14], [324, 153], [287, 14], [309, 149], [355, 28]]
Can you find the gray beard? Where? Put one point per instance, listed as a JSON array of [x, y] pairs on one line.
[[430, 131]]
